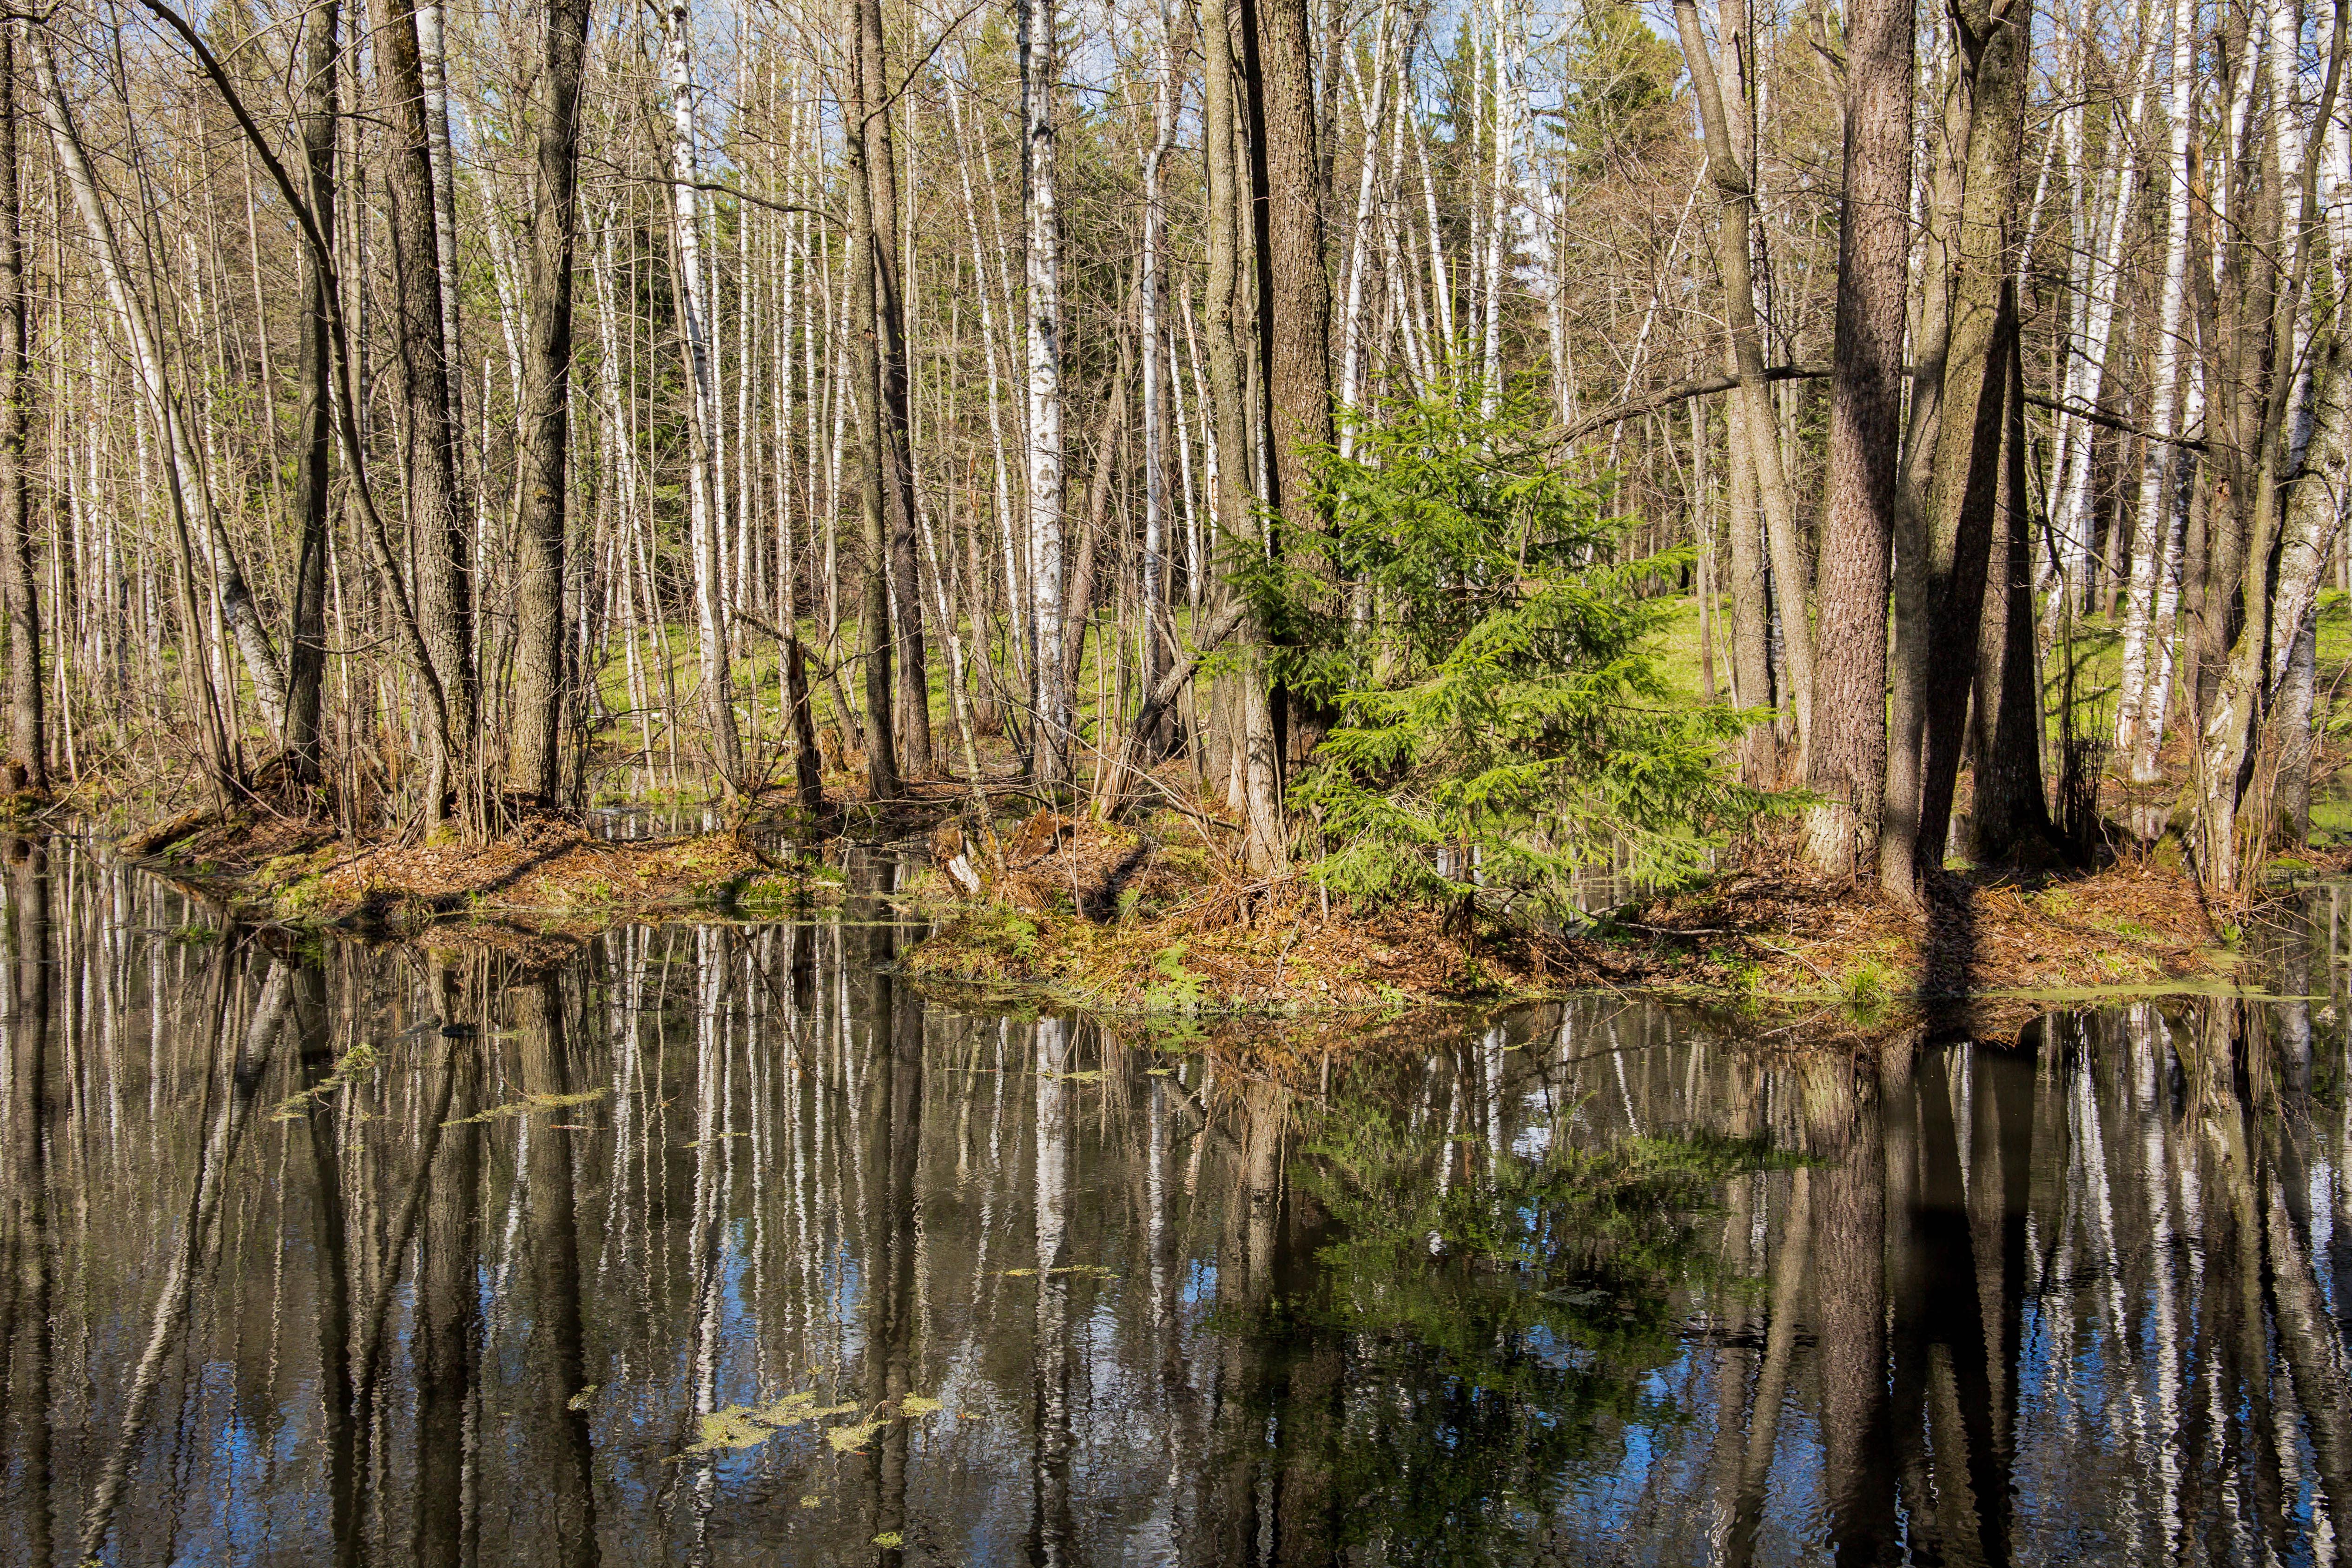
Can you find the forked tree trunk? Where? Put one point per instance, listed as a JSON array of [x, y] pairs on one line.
[[2008, 809], [1939, 589]]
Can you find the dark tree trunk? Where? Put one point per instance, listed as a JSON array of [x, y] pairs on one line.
[[568, 1515], [1847, 764], [2008, 809], [1296, 307], [1957, 617], [1941, 560], [540, 640], [27, 764], [306, 660], [436, 505], [1242, 699], [895, 454], [874, 604], [1294, 299]]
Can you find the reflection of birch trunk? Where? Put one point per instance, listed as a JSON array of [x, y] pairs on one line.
[[1050, 1527], [235, 1105], [2312, 1349], [1791, 1266], [708, 1235]]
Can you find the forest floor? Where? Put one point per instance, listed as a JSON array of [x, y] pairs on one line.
[[545, 874], [1126, 921], [1156, 919]]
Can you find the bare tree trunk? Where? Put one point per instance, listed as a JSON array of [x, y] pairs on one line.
[[1260, 778], [306, 664], [1150, 295], [2007, 807], [1294, 309], [1847, 761], [1939, 587], [28, 763], [1038, 66], [1791, 579], [694, 323], [913, 715], [540, 636], [431, 466], [2154, 548], [866, 242]]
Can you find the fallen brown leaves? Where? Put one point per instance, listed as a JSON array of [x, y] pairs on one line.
[[1124, 921], [546, 871]]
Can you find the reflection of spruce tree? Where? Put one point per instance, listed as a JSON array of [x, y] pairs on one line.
[[1499, 1327]]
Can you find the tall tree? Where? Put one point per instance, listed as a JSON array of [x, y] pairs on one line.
[[691, 284], [306, 660], [1846, 765], [437, 510], [1250, 733], [913, 714], [540, 633], [1735, 198], [27, 764], [1042, 230], [1942, 550]]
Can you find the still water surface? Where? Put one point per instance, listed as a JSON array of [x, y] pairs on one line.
[[723, 1244]]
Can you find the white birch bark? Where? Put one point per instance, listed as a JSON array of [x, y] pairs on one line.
[[1373, 101], [1044, 383], [2153, 551], [1149, 287], [2118, 187], [703, 409]]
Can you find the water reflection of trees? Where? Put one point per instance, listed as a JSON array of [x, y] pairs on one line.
[[406, 1255]]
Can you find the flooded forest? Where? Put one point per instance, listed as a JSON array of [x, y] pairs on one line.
[[1175, 781], [720, 1244]]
